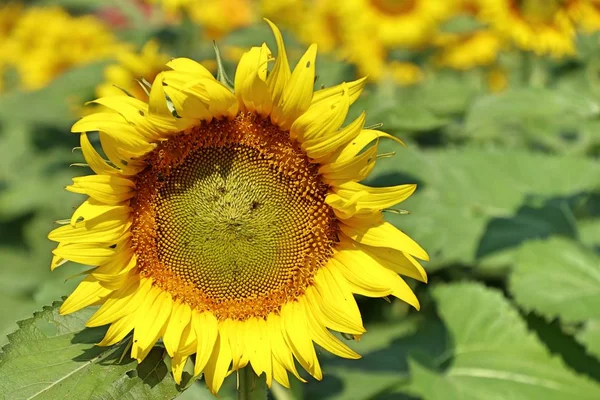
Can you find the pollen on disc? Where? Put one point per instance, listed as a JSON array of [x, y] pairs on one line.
[[231, 217]]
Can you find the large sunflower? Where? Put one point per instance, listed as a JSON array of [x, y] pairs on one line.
[[233, 226], [540, 26]]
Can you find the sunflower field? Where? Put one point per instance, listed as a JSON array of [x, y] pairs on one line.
[[241, 226]]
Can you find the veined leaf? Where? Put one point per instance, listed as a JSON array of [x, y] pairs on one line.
[[53, 356], [557, 278], [532, 117], [491, 354], [477, 205]]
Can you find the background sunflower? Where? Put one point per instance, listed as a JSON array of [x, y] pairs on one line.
[[498, 105]]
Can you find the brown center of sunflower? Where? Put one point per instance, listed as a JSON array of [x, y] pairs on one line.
[[231, 218]]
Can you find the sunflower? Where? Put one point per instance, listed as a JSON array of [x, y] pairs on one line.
[[586, 13], [540, 26], [216, 17], [467, 50], [131, 66], [40, 52], [233, 225], [404, 23]]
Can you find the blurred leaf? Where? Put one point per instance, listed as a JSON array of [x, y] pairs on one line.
[[53, 356], [58, 103], [492, 355], [462, 194], [589, 336], [535, 117], [557, 278]]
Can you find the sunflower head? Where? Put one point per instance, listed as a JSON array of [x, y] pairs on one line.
[[232, 225]]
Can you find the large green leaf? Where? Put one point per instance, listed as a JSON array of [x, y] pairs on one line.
[[557, 278], [491, 354], [476, 205], [550, 118], [589, 336], [53, 356]]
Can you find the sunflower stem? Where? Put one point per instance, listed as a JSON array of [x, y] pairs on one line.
[[250, 386]]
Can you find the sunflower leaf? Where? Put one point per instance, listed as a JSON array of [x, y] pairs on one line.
[[589, 336], [557, 278], [478, 206], [491, 354], [560, 278], [536, 117], [53, 356]]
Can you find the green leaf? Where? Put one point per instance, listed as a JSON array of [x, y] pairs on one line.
[[472, 206], [589, 336], [56, 104], [491, 354], [557, 278], [53, 356], [534, 117]]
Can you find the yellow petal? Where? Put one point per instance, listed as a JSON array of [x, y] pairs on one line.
[[325, 339], [252, 67], [106, 189], [323, 149], [280, 74], [320, 121], [107, 231], [181, 317], [157, 101], [151, 326], [118, 330], [93, 159], [280, 373], [382, 234], [131, 142], [397, 261], [354, 169], [205, 325], [88, 292], [365, 137], [350, 198], [84, 253], [373, 278], [297, 94], [177, 365], [329, 318], [218, 364], [297, 337], [92, 211], [281, 351], [190, 66], [354, 90], [122, 303], [336, 300]]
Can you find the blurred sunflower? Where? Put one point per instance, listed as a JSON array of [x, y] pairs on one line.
[[40, 52], [132, 66], [586, 13], [467, 50], [217, 18], [289, 13], [403, 23], [233, 226], [540, 26]]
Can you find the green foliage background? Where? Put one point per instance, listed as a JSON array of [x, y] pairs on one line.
[[508, 206]]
